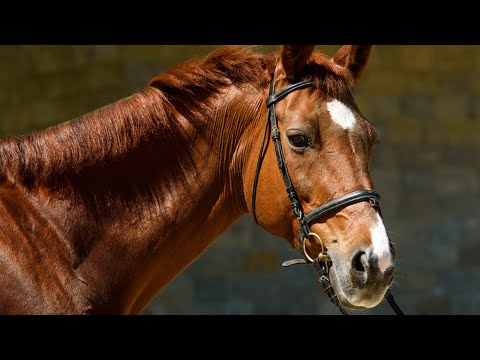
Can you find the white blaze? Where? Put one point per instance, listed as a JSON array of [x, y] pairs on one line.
[[341, 114], [380, 244]]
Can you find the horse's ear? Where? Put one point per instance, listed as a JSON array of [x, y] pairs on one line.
[[354, 58], [294, 58]]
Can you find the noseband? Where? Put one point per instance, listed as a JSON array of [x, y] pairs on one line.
[[322, 261]]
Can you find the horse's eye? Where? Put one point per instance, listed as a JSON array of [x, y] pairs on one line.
[[299, 140]]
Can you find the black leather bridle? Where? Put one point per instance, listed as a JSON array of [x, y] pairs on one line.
[[322, 261]]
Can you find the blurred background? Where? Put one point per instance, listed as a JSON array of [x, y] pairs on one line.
[[424, 103]]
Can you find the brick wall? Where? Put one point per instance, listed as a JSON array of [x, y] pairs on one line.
[[423, 100]]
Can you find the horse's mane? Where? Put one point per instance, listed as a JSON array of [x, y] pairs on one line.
[[113, 131]]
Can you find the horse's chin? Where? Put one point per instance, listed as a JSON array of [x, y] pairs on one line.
[[348, 296]]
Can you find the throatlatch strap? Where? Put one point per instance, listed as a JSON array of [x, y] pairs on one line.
[[263, 151]]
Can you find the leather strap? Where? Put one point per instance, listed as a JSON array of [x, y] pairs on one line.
[[295, 262], [341, 202], [389, 297], [325, 281], [274, 98]]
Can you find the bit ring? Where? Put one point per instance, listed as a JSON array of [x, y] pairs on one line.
[[321, 256]]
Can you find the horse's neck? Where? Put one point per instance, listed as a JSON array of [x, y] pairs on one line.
[[193, 197]]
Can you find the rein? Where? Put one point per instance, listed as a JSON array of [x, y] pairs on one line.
[[322, 261]]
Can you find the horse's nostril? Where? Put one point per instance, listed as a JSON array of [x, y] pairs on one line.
[[360, 261]]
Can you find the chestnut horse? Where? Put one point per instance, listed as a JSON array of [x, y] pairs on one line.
[[99, 213]]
